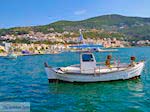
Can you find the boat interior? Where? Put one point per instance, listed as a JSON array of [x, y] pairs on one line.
[[76, 69], [88, 65]]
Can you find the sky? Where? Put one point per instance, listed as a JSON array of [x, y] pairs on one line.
[[14, 13]]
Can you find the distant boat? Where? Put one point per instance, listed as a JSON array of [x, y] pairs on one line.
[[11, 56], [89, 47], [107, 50], [10, 51]]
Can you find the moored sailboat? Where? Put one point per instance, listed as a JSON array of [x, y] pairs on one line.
[[10, 51]]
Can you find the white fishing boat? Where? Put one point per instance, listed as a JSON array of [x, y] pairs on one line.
[[90, 71]]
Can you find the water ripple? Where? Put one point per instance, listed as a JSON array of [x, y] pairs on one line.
[[24, 80]]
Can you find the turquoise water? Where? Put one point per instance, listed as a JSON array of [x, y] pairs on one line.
[[24, 80]]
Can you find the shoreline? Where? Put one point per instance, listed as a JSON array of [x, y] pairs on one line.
[[53, 53]]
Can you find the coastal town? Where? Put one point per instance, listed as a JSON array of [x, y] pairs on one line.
[[75, 56], [51, 43]]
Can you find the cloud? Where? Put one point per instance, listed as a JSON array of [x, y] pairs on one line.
[[80, 12]]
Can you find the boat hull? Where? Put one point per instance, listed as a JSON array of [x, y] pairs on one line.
[[129, 73]]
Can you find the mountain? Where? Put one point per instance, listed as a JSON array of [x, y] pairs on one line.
[[135, 28], [108, 22]]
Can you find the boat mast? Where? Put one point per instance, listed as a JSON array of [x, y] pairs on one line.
[[80, 40]]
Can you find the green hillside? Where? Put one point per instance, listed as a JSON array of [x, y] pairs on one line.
[[134, 28]]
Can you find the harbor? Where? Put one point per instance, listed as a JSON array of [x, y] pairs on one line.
[[74, 56], [48, 69], [23, 49]]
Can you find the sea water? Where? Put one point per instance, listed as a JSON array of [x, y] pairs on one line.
[[24, 80]]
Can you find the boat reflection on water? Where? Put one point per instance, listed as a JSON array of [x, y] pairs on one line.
[[137, 85], [95, 88], [136, 89], [93, 96]]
